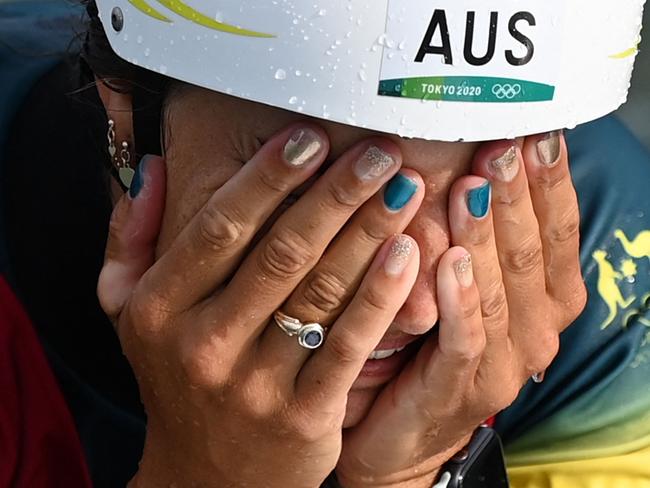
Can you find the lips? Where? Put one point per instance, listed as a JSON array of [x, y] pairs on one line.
[[385, 362]]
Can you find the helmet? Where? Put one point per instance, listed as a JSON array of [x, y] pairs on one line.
[[447, 70]]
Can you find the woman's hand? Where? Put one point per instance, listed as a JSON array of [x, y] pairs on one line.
[[230, 399], [501, 312]]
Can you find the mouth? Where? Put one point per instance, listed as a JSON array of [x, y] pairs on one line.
[[385, 362], [384, 353]]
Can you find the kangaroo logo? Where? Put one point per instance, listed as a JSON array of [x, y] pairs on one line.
[[608, 288], [637, 248], [187, 12]]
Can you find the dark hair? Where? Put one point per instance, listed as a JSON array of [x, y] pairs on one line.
[[147, 88]]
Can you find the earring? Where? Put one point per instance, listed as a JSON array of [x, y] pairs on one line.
[[124, 169]]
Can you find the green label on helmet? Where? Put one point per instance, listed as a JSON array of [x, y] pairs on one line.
[[467, 89]]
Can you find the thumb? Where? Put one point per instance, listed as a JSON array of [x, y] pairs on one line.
[[134, 228]]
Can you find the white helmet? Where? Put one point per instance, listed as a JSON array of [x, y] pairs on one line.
[[446, 70]]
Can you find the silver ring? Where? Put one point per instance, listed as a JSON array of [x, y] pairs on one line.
[[310, 336]]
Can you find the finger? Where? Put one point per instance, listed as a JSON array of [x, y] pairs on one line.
[[556, 206], [461, 340], [329, 287], [299, 238], [132, 236], [210, 247], [516, 228], [433, 388], [471, 226], [326, 378]]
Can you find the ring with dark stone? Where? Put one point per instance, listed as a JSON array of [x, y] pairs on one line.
[[311, 336]]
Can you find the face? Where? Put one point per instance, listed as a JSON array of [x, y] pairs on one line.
[[210, 136]]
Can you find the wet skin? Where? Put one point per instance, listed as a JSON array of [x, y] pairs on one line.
[[209, 137]]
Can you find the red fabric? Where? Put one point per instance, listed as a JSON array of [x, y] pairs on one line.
[[39, 446]]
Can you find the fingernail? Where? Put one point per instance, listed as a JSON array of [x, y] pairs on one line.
[[464, 272], [548, 149], [303, 145], [478, 200], [398, 256], [374, 163], [506, 167], [138, 178], [399, 192]]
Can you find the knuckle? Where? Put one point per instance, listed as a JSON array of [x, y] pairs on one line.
[[467, 351], [548, 346], [253, 393], [305, 424], [149, 313], [550, 180], [324, 291], [567, 228], [542, 352], [344, 197], [197, 363], [374, 232], [524, 260], [343, 348], [511, 200], [374, 301], [259, 411], [468, 308], [273, 182], [579, 300], [506, 396], [109, 299], [480, 238], [494, 305], [572, 305], [495, 398], [197, 368], [285, 255], [218, 228]]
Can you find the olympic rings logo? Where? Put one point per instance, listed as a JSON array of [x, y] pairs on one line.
[[506, 91]]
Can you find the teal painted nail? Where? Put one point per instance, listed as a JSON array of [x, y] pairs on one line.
[[138, 178], [399, 191], [478, 200]]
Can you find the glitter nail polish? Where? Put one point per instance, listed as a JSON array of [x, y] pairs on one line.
[[374, 163], [398, 256]]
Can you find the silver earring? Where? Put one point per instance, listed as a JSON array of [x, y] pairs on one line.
[[124, 169]]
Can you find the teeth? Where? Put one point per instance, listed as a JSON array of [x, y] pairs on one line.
[[385, 353]]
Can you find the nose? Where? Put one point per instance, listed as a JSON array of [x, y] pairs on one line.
[[420, 311], [431, 231]]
